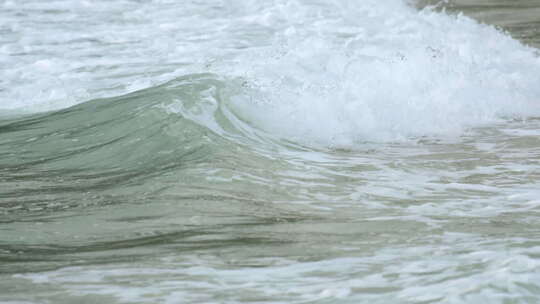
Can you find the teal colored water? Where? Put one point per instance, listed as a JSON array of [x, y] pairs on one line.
[[283, 152]]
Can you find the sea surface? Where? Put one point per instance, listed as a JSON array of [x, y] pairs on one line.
[[279, 151]]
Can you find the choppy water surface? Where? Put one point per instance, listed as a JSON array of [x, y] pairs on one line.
[[269, 151]]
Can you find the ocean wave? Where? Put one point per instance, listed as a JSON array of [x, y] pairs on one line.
[[316, 73]]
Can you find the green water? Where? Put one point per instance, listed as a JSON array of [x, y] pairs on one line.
[[166, 195]]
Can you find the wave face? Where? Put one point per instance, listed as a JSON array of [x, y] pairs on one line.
[[266, 151], [332, 74]]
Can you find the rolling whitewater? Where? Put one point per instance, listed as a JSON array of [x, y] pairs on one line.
[[284, 151]]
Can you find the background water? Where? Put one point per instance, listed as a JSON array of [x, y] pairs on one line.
[[283, 152]]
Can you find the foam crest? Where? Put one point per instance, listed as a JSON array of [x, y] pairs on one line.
[[385, 72], [318, 72]]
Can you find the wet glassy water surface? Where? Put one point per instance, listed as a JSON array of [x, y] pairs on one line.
[[280, 151]]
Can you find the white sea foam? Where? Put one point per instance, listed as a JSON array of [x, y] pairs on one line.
[[385, 71], [319, 72], [369, 279]]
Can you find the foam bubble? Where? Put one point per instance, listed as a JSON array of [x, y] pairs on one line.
[[385, 72]]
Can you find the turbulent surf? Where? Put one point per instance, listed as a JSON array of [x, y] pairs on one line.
[[283, 151]]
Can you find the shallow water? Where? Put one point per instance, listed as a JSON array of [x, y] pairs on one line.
[[284, 152], [519, 17]]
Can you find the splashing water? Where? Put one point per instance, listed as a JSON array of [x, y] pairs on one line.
[[268, 151]]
